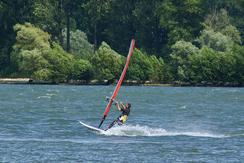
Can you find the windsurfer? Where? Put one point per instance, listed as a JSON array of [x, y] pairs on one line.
[[125, 109]]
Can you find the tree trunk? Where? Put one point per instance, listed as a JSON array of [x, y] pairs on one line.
[[60, 27], [95, 37], [68, 32]]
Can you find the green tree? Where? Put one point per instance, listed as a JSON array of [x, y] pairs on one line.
[[33, 56], [235, 8], [61, 64], [212, 66], [181, 51], [107, 63], [96, 10], [158, 65], [148, 31], [181, 19], [146, 67], [31, 61], [220, 22], [83, 70], [215, 40], [140, 67], [238, 54], [11, 12], [79, 44], [31, 44]]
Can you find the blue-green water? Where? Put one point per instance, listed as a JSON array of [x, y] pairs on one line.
[[166, 124]]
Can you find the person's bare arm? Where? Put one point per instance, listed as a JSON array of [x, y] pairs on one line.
[[123, 106], [120, 106]]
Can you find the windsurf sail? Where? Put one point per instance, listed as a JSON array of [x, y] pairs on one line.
[[116, 90]]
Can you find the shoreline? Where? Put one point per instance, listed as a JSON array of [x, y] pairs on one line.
[[126, 83]]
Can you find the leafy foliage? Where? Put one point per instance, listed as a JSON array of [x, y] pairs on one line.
[[220, 22], [144, 67], [79, 44], [31, 44], [186, 36], [181, 51], [107, 63], [34, 56], [212, 66], [215, 40]]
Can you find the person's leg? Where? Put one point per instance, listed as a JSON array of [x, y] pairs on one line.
[[112, 124]]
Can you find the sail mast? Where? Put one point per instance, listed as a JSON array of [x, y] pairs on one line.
[[116, 90]]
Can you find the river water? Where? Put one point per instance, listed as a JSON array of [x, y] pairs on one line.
[[39, 123]]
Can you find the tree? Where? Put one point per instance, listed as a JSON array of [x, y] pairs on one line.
[[96, 11], [53, 16], [219, 21], [158, 65], [181, 51], [11, 12], [238, 54], [79, 45], [31, 44], [34, 56], [83, 70], [61, 64], [215, 40], [181, 19], [148, 31], [140, 67], [235, 8], [107, 63], [212, 66]]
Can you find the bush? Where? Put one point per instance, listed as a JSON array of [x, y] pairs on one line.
[[181, 51], [107, 63], [215, 40], [31, 44], [42, 74], [34, 57], [238, 54], [79, 44], [31, 61], [82, 70], [220, 22], [158, 68], [212, 66], [29, 38], [140, 67], [61, 64], [145, 67]]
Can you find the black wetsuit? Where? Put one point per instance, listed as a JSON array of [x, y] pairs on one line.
[[125, 111]]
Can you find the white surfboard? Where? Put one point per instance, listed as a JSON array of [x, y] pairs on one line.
[[91, 127]]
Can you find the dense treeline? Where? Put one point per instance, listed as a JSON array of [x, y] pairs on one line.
[[195, 41]]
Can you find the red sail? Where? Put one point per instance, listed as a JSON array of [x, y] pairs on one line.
[[120, 82]]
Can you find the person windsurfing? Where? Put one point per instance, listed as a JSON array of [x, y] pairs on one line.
[[125, 109]]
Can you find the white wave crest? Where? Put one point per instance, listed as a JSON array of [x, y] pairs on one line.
[[137, 130], [43, 97]]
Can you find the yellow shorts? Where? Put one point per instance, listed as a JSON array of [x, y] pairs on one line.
[[123, 118]]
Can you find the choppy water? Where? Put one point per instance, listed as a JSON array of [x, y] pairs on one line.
[[166, 124]]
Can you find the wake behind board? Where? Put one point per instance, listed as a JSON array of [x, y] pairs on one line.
[[91, 127]]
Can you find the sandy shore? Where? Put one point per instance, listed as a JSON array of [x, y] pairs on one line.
[[14, 80]]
